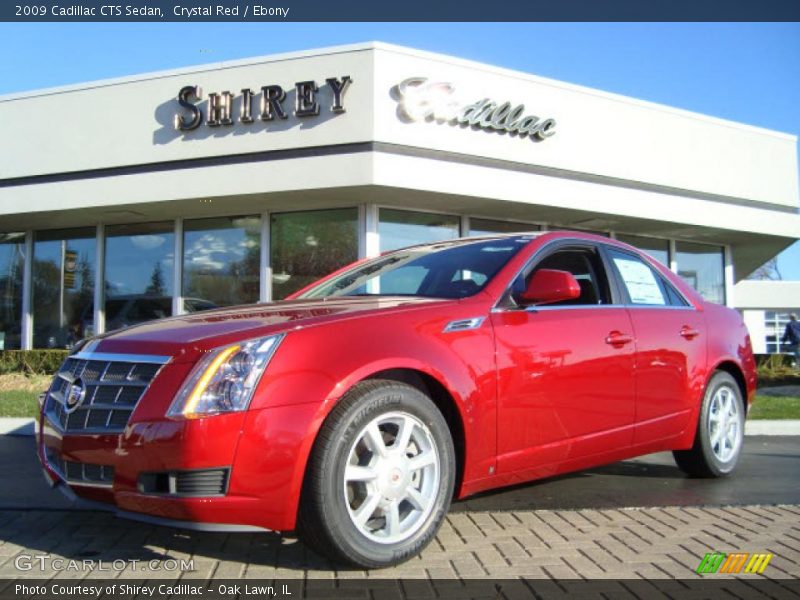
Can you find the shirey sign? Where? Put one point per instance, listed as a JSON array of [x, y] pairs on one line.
[[421, 100]]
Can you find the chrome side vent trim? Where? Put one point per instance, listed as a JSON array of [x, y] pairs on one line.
[[464, 324]]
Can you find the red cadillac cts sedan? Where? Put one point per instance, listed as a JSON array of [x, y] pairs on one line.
[[356, 410]]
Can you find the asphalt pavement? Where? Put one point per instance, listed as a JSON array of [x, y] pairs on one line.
[[769, 474]]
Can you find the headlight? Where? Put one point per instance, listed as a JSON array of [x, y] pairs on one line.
[[223, 381]]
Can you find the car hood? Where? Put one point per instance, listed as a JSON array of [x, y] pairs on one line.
[[185, 335]]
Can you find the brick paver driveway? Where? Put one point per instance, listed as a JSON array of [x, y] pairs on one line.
[[556, 533], [560, 544]]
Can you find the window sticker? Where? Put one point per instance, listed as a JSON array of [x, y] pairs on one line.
[[640, 281]]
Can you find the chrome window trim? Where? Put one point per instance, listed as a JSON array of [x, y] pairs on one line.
[[500, 309], [126, 358]]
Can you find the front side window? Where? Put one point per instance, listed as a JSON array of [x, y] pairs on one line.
[[585, 266], [446, 270]]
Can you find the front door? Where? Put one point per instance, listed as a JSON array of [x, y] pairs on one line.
[[565, 371]]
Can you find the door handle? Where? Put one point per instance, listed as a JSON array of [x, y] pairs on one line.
[[689, 332], [616, 338]]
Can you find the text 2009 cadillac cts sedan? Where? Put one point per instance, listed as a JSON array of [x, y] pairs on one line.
[[356, 410]]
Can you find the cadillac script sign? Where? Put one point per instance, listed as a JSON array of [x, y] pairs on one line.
[[422, 100]]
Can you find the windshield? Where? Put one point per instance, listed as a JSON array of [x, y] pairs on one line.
[[446, 270]]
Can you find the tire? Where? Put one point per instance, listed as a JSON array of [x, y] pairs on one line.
[[394, 500], [722, 408]]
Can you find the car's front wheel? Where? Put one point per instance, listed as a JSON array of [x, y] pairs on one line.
[[720, 431], [380, 476]]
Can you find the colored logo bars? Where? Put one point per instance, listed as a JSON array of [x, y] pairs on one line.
[[719, 562]]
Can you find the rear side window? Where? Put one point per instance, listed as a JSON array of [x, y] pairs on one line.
[[641, 283]]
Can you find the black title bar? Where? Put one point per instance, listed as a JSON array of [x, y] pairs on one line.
[[405, 10]]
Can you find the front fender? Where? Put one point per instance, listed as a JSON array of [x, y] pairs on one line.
[[317, 366]]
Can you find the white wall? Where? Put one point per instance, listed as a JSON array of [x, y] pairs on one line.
[[754, 319]]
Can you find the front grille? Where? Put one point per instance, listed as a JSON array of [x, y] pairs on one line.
[[201, 482], [96, 393], [80, 473]]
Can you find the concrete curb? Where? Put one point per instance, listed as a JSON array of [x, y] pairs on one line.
[[776, 427], [17, 426], [22, 426]]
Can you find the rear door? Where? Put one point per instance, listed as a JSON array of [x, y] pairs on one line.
[[671, 348]]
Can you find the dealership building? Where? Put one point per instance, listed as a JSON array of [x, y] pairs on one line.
[[238, 182]]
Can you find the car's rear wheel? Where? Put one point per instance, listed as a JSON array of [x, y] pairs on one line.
[[380, 477], [720, 431]]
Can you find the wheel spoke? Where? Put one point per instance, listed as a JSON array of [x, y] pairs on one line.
[[715, 438], [367, 508], [725, 407], [393, 519], [357, 473], [420, 461], [415, 498], [376, 443], [404, 435]]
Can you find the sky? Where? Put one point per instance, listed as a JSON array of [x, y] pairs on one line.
[[747, 72]]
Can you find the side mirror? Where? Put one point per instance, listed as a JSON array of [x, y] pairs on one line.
[[548, 286]]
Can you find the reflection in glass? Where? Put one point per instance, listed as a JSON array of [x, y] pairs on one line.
[[221, 258], [138, 277], [63, 286], [400, 228], [703, 267], [658, 249], [305, 246], [12, 267], [490, 226], [454, 270]]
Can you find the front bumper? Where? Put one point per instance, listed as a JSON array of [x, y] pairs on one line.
[[262, 451]]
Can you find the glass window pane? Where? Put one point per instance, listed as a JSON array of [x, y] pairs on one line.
[[63, 286], [12, 267], [305, 246], [138, 278], [401, 228], [703, 267], [221, 258], [658, 249], [445, 270], [490, 226], [581, 230]]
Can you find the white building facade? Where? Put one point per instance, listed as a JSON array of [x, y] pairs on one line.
[[231, 183]]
